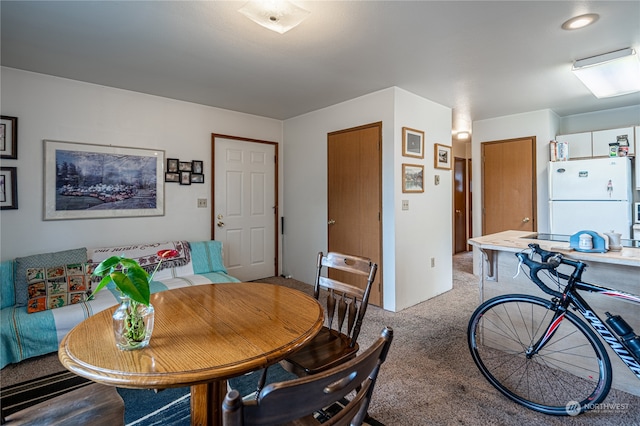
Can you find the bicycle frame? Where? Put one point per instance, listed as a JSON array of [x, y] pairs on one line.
[[570, 297]]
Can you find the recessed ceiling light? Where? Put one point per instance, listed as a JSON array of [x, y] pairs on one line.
[[580, 21]]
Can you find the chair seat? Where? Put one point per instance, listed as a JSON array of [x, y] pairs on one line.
[[328, 349]]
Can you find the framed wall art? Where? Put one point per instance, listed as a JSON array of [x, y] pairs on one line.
[[9, 137], [197, 167], [197, 178], [412, 178], [172, 165], [86, 181], [412, 143], [172, 177], [8, 188], [185, 178], [442, 157]]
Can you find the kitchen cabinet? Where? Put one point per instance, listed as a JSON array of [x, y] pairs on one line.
[[579, 144], [602, 138]]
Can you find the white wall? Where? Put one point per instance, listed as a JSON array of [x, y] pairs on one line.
[[543, 125], [601, 120], [59, 109], [409, 237]]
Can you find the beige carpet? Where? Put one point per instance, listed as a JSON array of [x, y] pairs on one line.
[[429, 377]]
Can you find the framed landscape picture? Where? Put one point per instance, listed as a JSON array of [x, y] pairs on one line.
[[86, 181], [442, 157], [412, 178], [412, 143]]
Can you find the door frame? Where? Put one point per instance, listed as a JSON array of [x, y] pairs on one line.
[[276, 166]]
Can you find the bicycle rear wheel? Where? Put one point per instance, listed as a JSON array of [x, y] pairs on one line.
[[568, 376]]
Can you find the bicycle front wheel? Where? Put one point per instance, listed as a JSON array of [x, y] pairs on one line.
[[567, 376]]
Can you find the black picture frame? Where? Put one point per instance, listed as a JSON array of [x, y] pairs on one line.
[[185, 166], [172, 177], [172, 165], [197, 167], [185, 177], [197, 178], [8, 188], [9, 137]]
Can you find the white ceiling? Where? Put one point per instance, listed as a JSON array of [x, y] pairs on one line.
[[484, 59]]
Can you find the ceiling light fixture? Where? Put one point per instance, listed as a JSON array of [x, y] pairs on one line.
[[611, 74], [581, 21], [277, 15]]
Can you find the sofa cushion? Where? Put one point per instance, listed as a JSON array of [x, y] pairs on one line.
[[55, 287], [46, 260], [7, 288], [207, 257]]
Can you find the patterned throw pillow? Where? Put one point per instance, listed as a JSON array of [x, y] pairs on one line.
[[54, 287]]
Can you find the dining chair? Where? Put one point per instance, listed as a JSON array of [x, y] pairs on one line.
[[299, 399], [348, 280]]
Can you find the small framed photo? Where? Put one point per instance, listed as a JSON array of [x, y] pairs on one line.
[[412, 178], [197, 178], [185, 178], [196, 167], [185, 166], [9, 137], [412, 143], [172, 177], [172, 165], [8, 188], [442, 157]]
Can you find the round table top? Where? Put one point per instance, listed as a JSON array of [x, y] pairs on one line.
[[201, 334]]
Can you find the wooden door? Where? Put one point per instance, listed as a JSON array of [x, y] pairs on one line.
[[354, 169], [245, 209], [459, 205], [509, 185]]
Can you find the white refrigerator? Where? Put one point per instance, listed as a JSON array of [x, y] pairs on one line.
[[592, 195]]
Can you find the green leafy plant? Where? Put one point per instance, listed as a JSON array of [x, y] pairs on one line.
[[128, 276], [133, 283]]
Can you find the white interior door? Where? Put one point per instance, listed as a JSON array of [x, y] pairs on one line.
[[245, 207]]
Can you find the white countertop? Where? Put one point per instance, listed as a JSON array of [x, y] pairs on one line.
[[516, 241]]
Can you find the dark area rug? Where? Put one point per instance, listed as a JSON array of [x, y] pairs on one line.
[[143, 407]]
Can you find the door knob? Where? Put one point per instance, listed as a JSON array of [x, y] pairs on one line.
[[331, 222], [525, 220], [220, 224]]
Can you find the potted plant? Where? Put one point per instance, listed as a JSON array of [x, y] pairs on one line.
[[133, 319]]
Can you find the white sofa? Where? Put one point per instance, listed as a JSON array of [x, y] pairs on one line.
[[25, 335]]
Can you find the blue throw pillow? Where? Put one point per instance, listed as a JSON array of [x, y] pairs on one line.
[[207, 257], [46, 260], [7, 288]]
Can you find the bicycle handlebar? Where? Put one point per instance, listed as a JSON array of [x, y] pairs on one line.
[[550, 261]]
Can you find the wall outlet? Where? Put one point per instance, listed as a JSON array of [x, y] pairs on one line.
[[405, 204], [436, 180], [202, 203], [433, 262]]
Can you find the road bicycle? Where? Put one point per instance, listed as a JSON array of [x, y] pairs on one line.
[[538, 352]]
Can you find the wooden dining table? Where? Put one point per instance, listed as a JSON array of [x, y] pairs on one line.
[[203, 335]]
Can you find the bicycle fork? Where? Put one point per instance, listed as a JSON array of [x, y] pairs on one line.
[[550, 331]]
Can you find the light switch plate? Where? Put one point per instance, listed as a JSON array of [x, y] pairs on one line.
[[405, 204], [202, 203], [436, 180]]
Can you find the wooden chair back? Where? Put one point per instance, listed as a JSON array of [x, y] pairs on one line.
[[348, 299], [297, 400]]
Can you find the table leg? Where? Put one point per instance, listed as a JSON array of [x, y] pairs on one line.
[[206, 403]]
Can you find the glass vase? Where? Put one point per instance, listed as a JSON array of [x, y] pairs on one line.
[[132, 324]]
